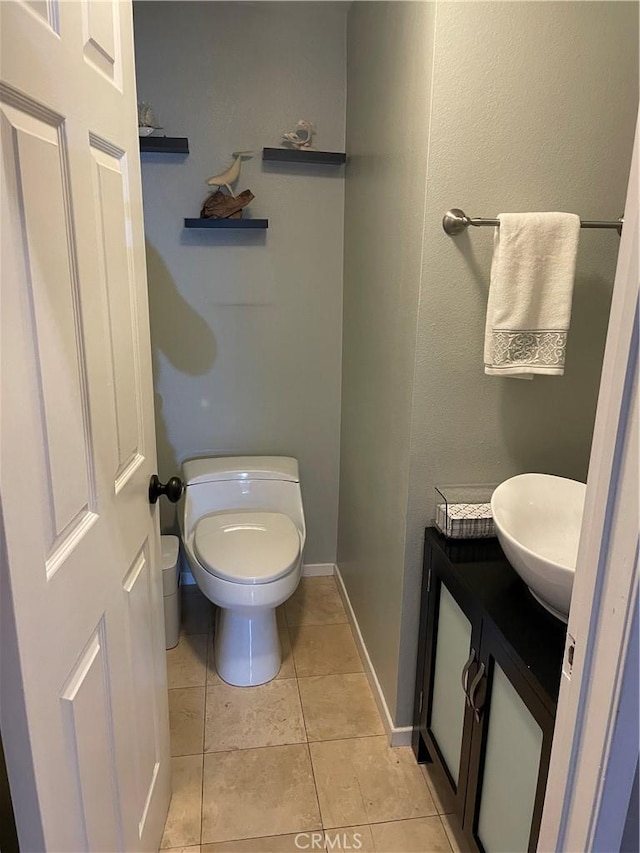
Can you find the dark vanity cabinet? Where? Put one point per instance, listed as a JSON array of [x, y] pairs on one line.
[[488, 677]]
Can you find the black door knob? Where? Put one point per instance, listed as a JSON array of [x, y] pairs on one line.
[[172, 489]]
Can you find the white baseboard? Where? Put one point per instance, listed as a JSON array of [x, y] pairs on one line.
[[398, 735], [318, 570], [309, 570], [401, 736]]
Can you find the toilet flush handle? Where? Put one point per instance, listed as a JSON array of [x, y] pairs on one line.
[[172, 489]]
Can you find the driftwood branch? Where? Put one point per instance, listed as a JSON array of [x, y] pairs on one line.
[[219, 205]]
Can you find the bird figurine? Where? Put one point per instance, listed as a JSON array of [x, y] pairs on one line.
[[301, 137], [147, 121], [225, 179]]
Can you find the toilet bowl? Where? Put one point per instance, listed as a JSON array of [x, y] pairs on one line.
[[243, 530]]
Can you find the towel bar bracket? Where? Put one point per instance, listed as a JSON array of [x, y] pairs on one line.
[[456, 221]]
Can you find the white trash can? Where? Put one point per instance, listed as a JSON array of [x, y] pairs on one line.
[[171, 589]]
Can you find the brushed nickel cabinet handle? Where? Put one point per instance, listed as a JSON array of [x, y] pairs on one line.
[[465, 674], [473, 689]]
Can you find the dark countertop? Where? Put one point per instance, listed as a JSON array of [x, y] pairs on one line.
[[534, 636]]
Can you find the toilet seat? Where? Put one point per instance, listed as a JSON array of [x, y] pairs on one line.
[[247, 547]]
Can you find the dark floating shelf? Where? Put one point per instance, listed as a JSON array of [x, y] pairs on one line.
[[293, 155], [164, 144], [226, 223]]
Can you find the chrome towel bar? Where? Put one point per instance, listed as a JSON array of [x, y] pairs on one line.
[[456, 221]]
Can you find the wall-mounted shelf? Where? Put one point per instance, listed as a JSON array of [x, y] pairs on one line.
[[164, 144], [226, 223], [293, 155]]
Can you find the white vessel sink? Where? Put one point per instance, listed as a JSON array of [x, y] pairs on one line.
[[538, 519]]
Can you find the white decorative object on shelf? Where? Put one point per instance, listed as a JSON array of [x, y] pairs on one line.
[[225, 179], [147, 121], [301, 137]]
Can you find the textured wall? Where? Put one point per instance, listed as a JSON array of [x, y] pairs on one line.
[[532, 108], [246, 327], [387, 131]]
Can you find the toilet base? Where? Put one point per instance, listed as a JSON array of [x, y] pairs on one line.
[[247, 646]]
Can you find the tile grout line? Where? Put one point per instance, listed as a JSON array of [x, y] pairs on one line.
[[201, 800], [446, 834], [306, 733], [390, 820], [293, 658], [332, 675], [313, 772], [288, 743], [250, 687], [350, 737], [433, 791], [204, 724]]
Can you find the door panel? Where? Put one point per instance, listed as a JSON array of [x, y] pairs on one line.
[[453, 643], [77, 444], [510, 753], [86, 707], [137, 587], [100, 35], [46, 10], [510, 773], [35, 146], [446, 723], [117, 275]]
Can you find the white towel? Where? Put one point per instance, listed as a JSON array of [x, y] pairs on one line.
[[529, 308]]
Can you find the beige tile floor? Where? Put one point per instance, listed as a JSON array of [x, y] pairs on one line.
[[253, 768]]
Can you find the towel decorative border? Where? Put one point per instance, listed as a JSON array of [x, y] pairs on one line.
[[528, 348]]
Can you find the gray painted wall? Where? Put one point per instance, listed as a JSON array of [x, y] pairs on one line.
[[631, 833], [246, 327], [388, 70], [532, 108]]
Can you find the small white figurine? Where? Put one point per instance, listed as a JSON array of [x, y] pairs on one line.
[[225, 179], [301, 137]]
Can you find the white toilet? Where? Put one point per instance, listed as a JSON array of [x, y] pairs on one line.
[[242, 525]]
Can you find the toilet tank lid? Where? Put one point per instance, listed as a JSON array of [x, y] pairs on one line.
[[212, 469]]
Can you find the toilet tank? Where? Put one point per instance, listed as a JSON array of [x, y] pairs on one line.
[[229, 468], [241, 482]]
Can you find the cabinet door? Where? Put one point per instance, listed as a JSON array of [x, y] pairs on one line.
[[452, 651], [451, 657], [511, 745]]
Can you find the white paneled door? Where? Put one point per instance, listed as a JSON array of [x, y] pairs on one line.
[[89, 762]]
